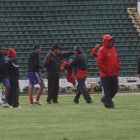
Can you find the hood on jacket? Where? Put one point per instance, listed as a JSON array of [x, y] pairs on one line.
[[106, 40], [11, 52], [78, 49]]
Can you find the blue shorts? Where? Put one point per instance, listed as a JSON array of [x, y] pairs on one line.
[[35, 78], [101, 83], [5, 81]]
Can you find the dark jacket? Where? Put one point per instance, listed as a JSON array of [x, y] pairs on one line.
[[139, 65], [34, 65], [12, 68], [3, 69], [79, 62], [52, 63]]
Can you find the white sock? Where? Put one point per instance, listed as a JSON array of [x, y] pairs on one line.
[[0, 96], [103, 91]]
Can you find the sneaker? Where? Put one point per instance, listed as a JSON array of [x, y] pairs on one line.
[[89, 102], [55, 102], [18, 107], [48, 102], [6, 106], [76, 102], [92, 99], [37, 102], [103, 100], [109, 106], [32, 104]]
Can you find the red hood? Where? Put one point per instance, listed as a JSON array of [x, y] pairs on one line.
[[11, 52], [106, 39]]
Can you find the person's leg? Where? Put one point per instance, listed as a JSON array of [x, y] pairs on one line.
[[0, 96], [50, 90], [106, 81], [31, 88], [77, 97], [83, 90], [15, 93], [10, 95], [39, 92], [114, 86], [56, 89], [38, 80], [7, 93], [6, 83]]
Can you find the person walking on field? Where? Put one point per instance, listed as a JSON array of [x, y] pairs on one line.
[[35, 77], [79, 63], [109, 64]]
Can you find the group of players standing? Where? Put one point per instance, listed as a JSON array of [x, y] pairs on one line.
[[107, 61]]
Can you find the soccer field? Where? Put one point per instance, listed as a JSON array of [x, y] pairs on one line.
[[68, 121]]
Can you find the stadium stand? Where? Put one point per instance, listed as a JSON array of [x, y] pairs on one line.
[[26, 23]]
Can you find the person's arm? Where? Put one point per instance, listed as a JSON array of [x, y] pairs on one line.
[[14, 64], [64, 55], [100, 60], [47, 61], [118, 60], [94, 51], [72, 64], [139, 67]]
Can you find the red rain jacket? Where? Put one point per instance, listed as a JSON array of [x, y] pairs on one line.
[[108, 59], [94, 51], [70, 76]]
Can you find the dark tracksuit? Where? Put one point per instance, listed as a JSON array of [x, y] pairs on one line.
[[34, 65], [80, 63], [52, 64], [3, 69], [13, 76], [139, 65]]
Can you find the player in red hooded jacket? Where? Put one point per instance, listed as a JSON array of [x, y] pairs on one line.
[[109, 64]]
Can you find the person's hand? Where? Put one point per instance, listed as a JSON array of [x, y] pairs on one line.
[[42, 75], [44, 70], [98, 46], [138, 75], [70, 60]]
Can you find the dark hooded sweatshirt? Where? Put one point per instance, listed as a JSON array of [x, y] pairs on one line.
[[139, 65], [79, 63]]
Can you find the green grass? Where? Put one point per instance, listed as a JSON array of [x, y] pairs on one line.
[[73, 122]]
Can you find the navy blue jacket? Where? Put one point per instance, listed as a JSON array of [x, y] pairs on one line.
[[12, 68], [79, 63], [52, 63], [139, 65], [3, 69], [34, 65]]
